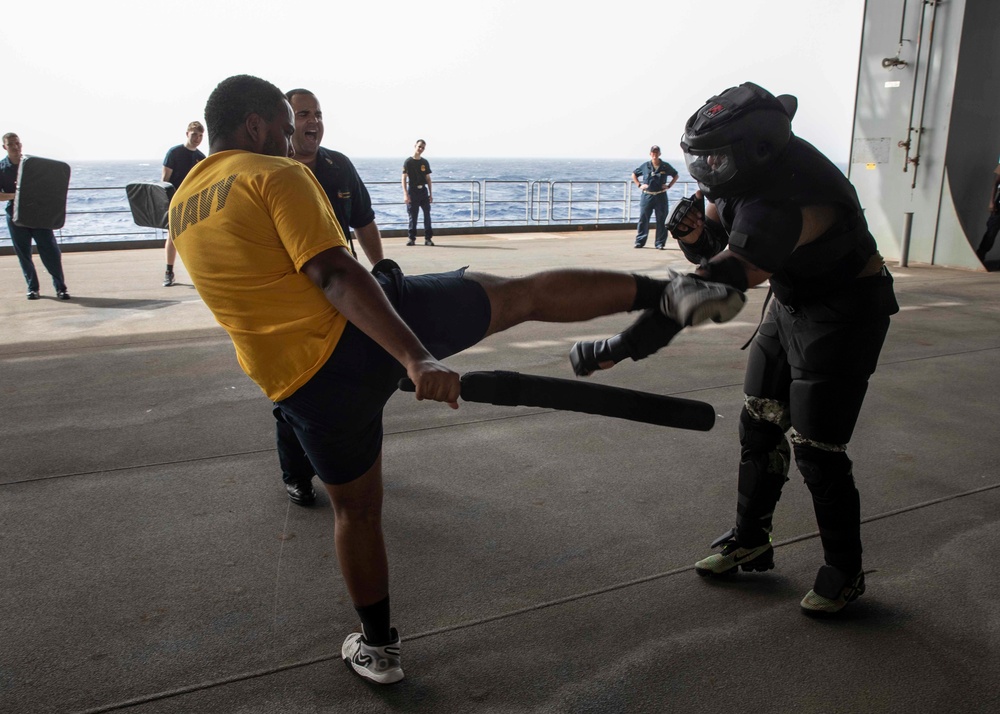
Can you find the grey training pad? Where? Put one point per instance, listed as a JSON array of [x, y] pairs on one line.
[[40, 200], [150, 202]]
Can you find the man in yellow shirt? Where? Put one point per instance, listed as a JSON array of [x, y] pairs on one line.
[[327, 341]]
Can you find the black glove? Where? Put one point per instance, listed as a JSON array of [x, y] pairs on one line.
[[643, 337], [680, 212]]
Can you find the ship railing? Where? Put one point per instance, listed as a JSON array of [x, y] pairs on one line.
[[458, 204]]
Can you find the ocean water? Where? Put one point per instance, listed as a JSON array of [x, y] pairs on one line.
[[468, 192]]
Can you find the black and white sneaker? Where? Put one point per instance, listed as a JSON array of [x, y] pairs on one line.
[[378, 664], [32, 295], [733, 557], [832, 591], [168, 279]]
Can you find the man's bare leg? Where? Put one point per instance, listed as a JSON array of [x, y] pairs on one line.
[[570, 295], [357, 507], [171, 251]]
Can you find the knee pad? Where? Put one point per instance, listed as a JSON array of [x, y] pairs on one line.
[[764, 449], [763, 418], [825, 468]]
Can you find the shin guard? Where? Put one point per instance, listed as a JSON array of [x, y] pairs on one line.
[[764, 461], [836, 501]]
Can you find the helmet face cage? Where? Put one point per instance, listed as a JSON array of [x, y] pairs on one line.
[[711, 167]]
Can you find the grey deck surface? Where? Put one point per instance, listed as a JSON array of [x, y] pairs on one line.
[[541, 561]]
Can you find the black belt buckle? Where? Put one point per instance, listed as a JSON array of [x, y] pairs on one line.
[[680, 212]]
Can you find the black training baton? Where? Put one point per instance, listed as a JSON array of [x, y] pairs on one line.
[[510, 389]]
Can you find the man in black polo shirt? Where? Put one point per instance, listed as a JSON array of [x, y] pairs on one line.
[[177, 164], [336, 174], [417, 192], [352, 206]]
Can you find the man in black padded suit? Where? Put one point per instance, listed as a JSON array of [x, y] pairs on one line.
[[779, 210]]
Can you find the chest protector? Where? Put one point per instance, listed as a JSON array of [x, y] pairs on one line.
[[802, 176]]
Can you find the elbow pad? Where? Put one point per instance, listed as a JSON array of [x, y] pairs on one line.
[[728, 270]]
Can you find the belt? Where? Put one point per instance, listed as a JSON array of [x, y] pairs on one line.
[[418, 186], [655, 193]]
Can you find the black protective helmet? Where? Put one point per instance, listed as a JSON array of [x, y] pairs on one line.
[[734, 136]]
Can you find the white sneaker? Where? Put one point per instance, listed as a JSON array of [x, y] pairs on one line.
[[379, 664]]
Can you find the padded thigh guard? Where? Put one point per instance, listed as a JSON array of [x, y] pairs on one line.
[[827, 410], [764, 460], [828, 473]]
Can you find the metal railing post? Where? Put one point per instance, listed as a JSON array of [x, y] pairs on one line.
[[904, 246]]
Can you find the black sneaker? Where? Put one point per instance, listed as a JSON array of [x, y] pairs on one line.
[[733, 557], [32, 295], [168, 279], [411, 242], [428, 242], [63, 295]]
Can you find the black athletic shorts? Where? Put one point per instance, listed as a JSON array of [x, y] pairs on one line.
[[337, 415]]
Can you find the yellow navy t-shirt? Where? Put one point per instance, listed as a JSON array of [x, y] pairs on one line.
[[244, 225]]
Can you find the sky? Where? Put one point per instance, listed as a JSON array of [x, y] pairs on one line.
[[116, 79]]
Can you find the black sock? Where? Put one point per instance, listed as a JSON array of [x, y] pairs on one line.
[[647, 292], [375, 622], [170, 268]]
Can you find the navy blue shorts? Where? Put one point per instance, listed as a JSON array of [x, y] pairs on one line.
[[337, 415]]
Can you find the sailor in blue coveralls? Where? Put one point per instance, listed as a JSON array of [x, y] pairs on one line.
[[653, 178]]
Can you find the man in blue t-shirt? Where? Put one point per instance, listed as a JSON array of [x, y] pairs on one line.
[[352, 206], [652, 178], [177, 163], [21, 236]]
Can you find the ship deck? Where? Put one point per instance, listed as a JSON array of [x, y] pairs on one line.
[[541, 561]]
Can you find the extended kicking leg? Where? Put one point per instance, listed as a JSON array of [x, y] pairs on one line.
[[574, 295]]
